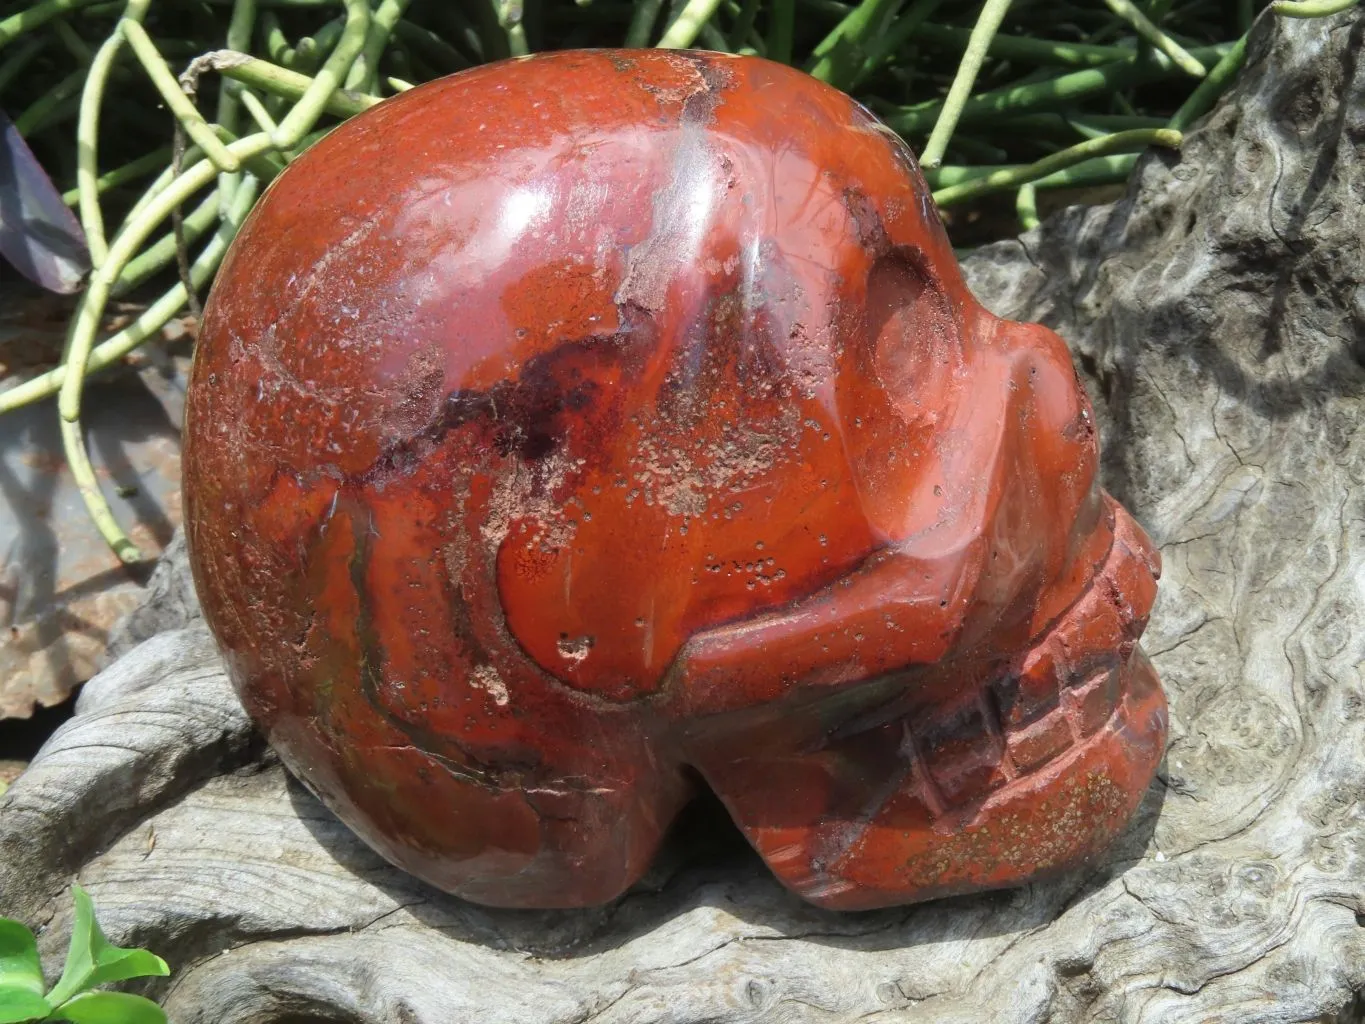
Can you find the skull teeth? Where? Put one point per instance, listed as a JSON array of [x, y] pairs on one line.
[[1068, 688], [964, 757]]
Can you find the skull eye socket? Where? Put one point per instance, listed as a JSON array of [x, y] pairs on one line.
[[910, 324]]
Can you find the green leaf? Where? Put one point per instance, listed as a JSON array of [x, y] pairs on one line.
[[19, 966], [116, 964], [92, 960], [18, 1003], [110, 1008], [80, 963]]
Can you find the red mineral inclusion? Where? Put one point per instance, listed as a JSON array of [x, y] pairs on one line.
[[580, 430]]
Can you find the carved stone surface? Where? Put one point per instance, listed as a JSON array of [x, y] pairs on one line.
[[629, 423], [1217, 311]]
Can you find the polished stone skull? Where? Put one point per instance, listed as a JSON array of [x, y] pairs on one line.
[[581, 430]]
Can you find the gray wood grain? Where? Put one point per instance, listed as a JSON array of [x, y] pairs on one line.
[[1217, 313]]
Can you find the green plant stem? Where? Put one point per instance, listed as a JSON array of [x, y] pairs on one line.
[[901, 31], [27, 20], [683, 32], [1066, 126], [992, 14], [711, 38], [88, 131], [642, 22], [400, 58], [1156, 10], [114, 348], [185, 111], [41, 109], [1026, 205], [743, 24], [311, 49], [364, 73], [87, 147], [781, 29], [74, 44], [131, 171], [510, 14], [1026, 49], [830, 10], [277, 46], [13, 66], [159, 184], [161, 253], [257, 110], [241, 25], [1058, 92], [1310, 8], [1099, 170], [300, 120], [86, 322], [433, 45], [1201, 101], [458, 29], [840, 56], [978, 150], [488, 27], [62, 112], [278, 81], [1015, 177], [1142, 25], [326, 38], [1095, 125]]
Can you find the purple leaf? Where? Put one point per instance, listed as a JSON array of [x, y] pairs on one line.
[[38, 234]]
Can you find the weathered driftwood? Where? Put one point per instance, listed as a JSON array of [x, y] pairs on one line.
[[1217, 313]]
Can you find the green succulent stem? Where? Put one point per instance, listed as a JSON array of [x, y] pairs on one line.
[[113, 349], [1014, 177], [36, 17], [781, 30], [86, 322], [683, 32], [1054, 93], [310, 106], [992, 14], [1201, 101], [131, 171], [196, 127], [1179, 56], [1026, 206], [240, 28], [278, 81], [1311, 8], [364, 74], [87, 136], [839, 58]]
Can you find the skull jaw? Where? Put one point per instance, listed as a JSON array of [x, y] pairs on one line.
[[1033, 771], [1060, 818]]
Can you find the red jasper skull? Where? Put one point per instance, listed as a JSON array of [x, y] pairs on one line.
[[580, 427]]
